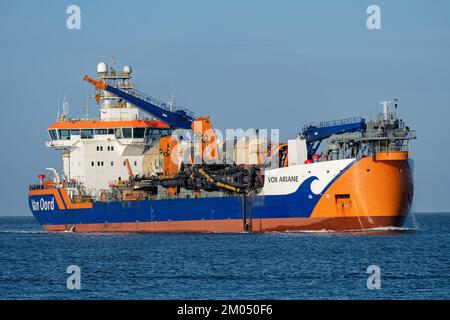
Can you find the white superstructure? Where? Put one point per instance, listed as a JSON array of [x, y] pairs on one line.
[[95, 150]]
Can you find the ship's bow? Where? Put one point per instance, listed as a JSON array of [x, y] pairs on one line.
[[374, 192]]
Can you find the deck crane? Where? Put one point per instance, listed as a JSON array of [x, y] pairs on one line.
[[177, 119], [315, 133], [193, 176], [181, 118]]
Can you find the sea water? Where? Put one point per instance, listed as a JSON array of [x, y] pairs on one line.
[[413, 262]]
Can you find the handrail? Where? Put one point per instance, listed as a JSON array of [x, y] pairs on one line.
[[391, 134], [329, 123], [162, 104]]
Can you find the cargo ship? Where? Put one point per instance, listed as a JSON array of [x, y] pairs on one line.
[[145, 165]]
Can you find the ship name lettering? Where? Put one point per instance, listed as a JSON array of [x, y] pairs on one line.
[[283, 179], [43, 205]]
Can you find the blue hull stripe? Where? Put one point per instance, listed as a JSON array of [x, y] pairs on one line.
[[299, 204]]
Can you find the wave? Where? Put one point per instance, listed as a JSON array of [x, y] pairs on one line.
[[23, 231], [312, 231], [343, 232], [391, 229]]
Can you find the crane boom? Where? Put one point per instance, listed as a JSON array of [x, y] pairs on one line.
[[175, 119], [314, 133], [180, 118]]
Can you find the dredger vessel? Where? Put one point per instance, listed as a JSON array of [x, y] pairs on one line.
[[168, 170]]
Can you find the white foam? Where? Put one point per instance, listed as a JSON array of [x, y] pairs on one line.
[[326, 231], [389, 229], [23, 231]]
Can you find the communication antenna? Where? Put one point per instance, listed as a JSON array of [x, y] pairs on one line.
[[386, 109], [170, 102], [85, 103], [57, 106], [113, 62], [65, 107], [58, 100]]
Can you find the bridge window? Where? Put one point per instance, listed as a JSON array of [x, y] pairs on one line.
[[165, 132], [64, 134], [157, 133], [53, 134], [127, 133], [87, 134], [101, 131], [138, 133], [149, 133], [118, 133], [74, 132]]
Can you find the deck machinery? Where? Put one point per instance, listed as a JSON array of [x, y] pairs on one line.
[[345, 138]]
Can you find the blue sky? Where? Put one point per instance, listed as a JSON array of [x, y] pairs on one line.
[[266, 64]]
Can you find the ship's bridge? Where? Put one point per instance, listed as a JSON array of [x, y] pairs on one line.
[[66, 133]]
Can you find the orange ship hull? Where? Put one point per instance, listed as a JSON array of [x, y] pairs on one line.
[[378, 193]]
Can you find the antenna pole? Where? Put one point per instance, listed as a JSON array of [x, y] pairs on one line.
[[85, 103]]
